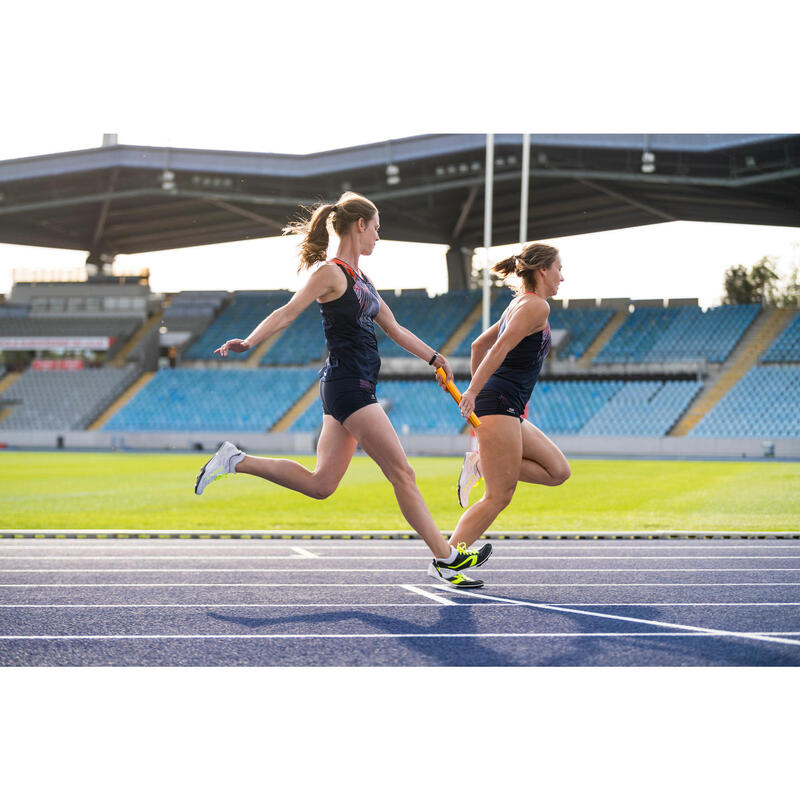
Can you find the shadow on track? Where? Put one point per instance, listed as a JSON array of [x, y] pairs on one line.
[[422, 649]]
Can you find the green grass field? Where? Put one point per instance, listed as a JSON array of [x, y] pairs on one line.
[[146, 491]]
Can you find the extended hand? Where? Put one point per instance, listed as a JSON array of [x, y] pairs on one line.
[[467, 404], [236, 345]]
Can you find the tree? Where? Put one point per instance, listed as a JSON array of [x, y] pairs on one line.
[[760, 284]]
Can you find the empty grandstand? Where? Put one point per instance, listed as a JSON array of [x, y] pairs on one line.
[[235, 322], [787, 346], [213, 400], [764, 403], [63, 400], [652, 335], [433, 319]]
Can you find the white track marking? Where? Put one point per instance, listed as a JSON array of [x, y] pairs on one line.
[[395, 570], [768, 636], [301, 551], [377, 585], [674, 625], [439, 600], [429, 595]]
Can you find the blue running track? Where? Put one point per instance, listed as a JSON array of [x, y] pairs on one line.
[[327, 602]]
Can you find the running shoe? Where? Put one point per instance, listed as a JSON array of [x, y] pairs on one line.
[[218, 466], [466, 558], [452, 577], [470, 475]]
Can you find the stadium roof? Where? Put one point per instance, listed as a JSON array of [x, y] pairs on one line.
[[132, 199]]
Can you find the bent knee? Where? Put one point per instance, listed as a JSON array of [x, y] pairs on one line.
[[322, 490], [499, 498], [561, 475]]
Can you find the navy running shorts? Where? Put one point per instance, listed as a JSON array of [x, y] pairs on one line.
[[491, 401], [340, 398]]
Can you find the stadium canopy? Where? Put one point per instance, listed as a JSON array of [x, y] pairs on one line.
[[131, 199]]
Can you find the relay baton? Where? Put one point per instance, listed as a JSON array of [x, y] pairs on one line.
[[456, 395]]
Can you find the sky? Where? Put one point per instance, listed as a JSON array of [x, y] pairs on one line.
[[316, 76], [275, 97]]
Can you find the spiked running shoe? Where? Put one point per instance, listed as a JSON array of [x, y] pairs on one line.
[[452, 577], [470, 475], [218, 466], [466, 558]]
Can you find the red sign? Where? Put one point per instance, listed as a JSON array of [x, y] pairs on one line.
[[57, 363]]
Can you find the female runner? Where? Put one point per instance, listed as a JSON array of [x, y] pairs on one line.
[[506, 361], [348, 303]]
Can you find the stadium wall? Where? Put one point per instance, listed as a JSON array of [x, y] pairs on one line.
[[414, 444]]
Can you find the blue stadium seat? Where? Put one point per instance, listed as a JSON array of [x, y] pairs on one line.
[[787, 346], [660, 335], [213, 400], [765, 402], [236, 322]]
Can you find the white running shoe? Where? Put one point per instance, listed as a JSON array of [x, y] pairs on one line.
[[218, 466], [470, 475]]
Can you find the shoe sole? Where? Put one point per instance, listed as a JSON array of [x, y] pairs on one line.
[[202, 473], [456, 585], [438, 577]]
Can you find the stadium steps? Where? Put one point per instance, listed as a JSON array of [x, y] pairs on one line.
[[297, 409], [462, 330], [6, 382], [106, 415], [252, 361], [138, 336], [746, 354], [602, 339]]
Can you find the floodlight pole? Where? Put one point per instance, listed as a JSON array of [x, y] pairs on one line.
[[487, 225], [523, 203]]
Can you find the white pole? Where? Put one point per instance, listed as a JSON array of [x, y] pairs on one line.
[[487, 225], [523, 203]]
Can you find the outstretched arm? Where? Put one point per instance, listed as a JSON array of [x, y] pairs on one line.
[[327, 280], [409, 341]]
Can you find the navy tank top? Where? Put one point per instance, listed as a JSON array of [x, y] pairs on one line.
[[349, 330], [518, 373]]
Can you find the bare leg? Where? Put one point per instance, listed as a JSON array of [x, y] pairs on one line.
[[542, 461], [334, 451], [500, 446], [371, 427]]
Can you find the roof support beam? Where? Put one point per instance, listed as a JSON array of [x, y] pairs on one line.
[[465, 209], [626, 198], [243, 212]]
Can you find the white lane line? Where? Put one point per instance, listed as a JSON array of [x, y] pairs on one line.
[[397, 569], [301, 551], [439, 600], [436, 597], [380, 585], [656, 623], [768, 636]]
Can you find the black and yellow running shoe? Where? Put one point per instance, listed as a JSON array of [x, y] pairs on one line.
[[466, 559], [452, 577]]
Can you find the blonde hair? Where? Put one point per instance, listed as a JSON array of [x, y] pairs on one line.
[[532, 258], [349, 208]]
